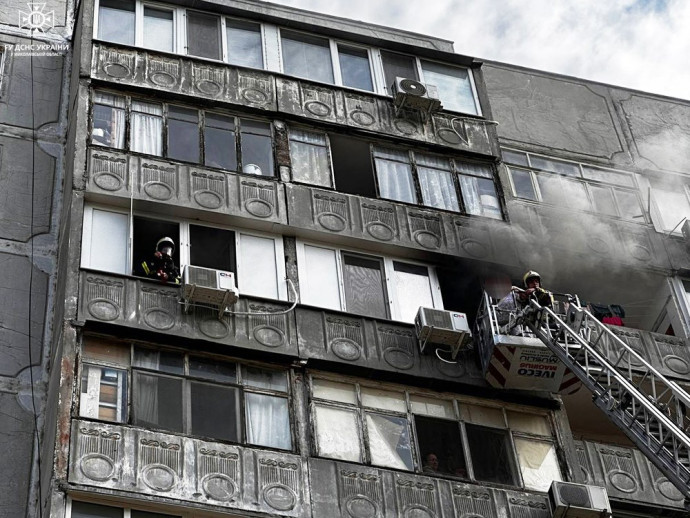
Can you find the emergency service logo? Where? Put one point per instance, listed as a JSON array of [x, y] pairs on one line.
[[37, 18]]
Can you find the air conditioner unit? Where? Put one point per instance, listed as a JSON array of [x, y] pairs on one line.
[[410, 93], [570, 500], [208, 286], [440, 327]]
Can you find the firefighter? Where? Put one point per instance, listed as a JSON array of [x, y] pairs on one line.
[[519, 298], [161, 266], [532, 282]]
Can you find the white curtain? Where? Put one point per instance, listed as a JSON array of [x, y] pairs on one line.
[[470, 195], [267, 421], [309, 157], [147, 128], [438, 189], [394, 174]]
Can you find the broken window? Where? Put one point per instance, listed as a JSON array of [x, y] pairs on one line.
[[186, 394], [672, 203]]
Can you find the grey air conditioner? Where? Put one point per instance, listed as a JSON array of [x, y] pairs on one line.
[[208, 287], [570, 500], [437, 327], [411, 94]]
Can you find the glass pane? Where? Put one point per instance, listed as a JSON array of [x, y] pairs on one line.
[[321, 286], [522, 182], [397, 65], [528, 423], [309, 158], [158, 29], [103, 393], [440, 446], [603, 200], [354, 68], [389, 441], [672, 205], [383, 399], [538, 464], [212, 248], [268, 421], [555, 166], [412, 290], [84, 510], [244, 44], [157, 402], [265, 379], [337, 433], [116, 21], [203, 35], [604, 175], [106, 351], [258, 275], [551, 189], [479, 196], [212, 369], [438, 189], [334, 391], [576, 194], [394, 176], [491, 454], [307, 56], [162, 361], [108, 126], [215, 411], [146, 132], [364, 291], [183, 134], [514, 157], [483, 415], [220, 148], [146, 514], [432, 406], [454, 86], [109, 236], [629, 205], [257, 148]]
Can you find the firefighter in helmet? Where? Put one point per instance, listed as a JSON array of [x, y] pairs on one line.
[[519, 298], [533, 289], [161, 266]]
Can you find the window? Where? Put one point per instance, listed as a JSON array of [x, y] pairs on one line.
[[203, 35], [310, 158], [455, 84], [244, 43], [672, 203], [256, 259], [159, 29], [307, 56], [230, 143], [90, 510], [116, 21], [185, 393], [573, 185], [368, 285], [391, 427], [355, 69]]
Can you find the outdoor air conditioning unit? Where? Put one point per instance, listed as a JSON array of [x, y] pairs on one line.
[[208, 286], [570, 500], [409, 93], [439, 327]]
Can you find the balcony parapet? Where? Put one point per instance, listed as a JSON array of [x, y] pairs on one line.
[[269, 91], [180, 468], [626, 474], [126, 176]]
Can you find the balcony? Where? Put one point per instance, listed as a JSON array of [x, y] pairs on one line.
[[263, 90]]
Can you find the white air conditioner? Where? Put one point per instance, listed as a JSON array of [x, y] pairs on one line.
[[439, 327], [208, 286], [570, 500], [410, 93]]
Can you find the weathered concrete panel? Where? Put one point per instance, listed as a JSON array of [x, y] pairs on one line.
[[16, 448], [660, 130], [555, 113], [185, 469], [152, 306]]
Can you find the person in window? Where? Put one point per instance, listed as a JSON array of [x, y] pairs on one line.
[[161, 265], [518, 299], [430, 463]]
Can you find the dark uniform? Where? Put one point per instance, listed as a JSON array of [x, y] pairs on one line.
[[161, 265]]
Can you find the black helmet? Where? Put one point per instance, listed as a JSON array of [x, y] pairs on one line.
[[530, 275], [165, 242]]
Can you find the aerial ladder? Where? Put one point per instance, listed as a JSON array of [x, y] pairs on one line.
[[653, 411]]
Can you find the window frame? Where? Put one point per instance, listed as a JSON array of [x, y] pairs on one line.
[[655, 188], [329, 156], [588, 184], [183, 244], [393, 305], [187, 379], [457, 401]]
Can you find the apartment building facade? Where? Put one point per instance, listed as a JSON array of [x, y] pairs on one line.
[[346, 175]]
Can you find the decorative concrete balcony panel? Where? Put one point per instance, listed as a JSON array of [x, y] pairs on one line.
[[184, 186], [123, 458], [626, 474], [153, 306], [388, 222], [673, 354], [353, 491], [182, 75], [273, 92], [375, 344]]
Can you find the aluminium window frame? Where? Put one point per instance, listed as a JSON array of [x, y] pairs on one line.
[[183, 244]]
